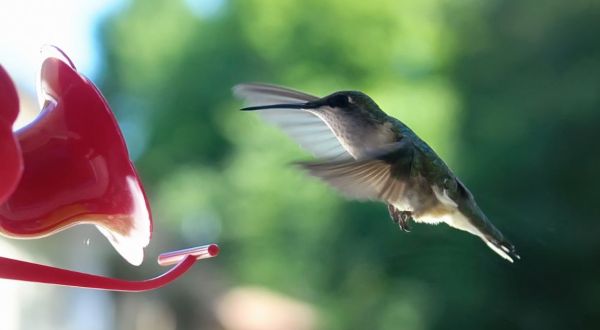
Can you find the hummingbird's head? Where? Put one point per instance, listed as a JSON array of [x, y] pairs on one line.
[[345, 123], [347, 100], [350, 103]]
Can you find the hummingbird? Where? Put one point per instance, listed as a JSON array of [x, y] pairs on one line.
[[367, 155]]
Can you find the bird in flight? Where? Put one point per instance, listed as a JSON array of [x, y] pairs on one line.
[[367, 155]]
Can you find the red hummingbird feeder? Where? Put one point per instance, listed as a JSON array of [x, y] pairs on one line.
[[70, 166]]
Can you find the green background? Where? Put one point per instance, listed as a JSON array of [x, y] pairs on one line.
[[507, 92]]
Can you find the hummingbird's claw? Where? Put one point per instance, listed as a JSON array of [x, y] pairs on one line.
[[405, 217], [401, 218]]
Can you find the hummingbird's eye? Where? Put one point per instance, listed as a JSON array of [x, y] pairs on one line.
[[339, 101]]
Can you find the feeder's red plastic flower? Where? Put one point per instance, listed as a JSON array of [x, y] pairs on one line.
[[11, 164], [72, 167]]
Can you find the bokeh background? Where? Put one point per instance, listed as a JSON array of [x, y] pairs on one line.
[[506, 91]]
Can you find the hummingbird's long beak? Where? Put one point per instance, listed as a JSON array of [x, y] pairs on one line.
[[307, 105]]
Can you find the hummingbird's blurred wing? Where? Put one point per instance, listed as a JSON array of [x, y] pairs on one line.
[[381, 177], [305, 128]]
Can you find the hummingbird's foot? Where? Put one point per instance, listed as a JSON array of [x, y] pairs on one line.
[[405, 217], [401, 218]]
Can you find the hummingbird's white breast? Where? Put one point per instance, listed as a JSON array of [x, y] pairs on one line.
[[445, 211]]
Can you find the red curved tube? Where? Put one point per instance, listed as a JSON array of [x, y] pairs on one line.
[[26, 271]]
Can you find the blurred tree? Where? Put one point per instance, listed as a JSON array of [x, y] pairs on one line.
[[505, 91]]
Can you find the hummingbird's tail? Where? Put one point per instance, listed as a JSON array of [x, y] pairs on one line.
[[475, 222], [504, 248]]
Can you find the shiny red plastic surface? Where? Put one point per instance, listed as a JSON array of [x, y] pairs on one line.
[[11, 163], [71, 166], [76, 166]]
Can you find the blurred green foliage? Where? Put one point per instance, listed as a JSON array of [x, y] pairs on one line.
[[508, 92]]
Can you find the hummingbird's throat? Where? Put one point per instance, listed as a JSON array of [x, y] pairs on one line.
[[357, 134]]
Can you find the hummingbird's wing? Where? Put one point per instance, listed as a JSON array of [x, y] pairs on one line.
[[381, 177], [305, 128]]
